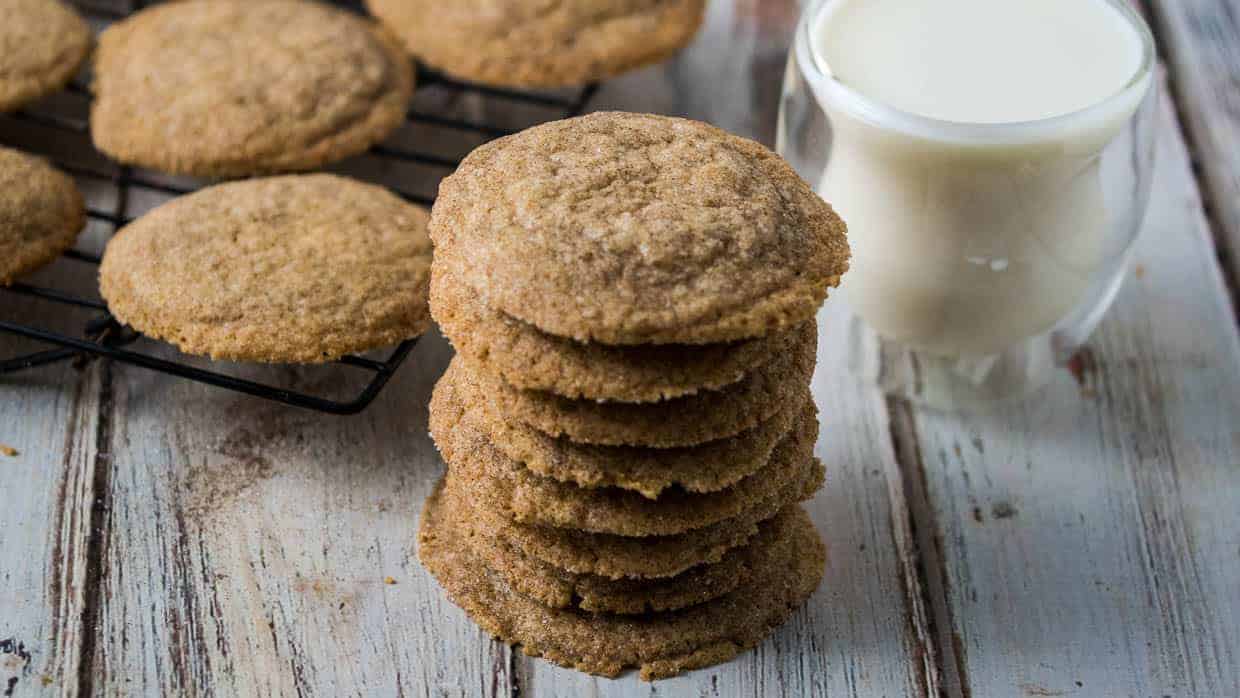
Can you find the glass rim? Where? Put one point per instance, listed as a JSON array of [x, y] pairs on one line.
[[1134, 89]]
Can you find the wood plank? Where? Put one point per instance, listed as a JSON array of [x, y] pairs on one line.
[[1088, 536], [1201, 42], [259, 550], [50, 418]]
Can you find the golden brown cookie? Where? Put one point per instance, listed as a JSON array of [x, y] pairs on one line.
[[503, 485], [293, 269], [687, 421], [42, 45], [549, 44], [558, 588], [41, 214], [616, 557], [231, 88], [637, 229], [785, 573], [527, 358], [709, 467]]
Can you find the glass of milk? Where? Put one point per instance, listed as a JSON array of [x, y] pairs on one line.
[[992, 159]]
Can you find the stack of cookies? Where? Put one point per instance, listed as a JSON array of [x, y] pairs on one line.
[[627, 423]]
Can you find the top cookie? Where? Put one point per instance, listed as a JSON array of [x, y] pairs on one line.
[[632, 229], [540, 44], [229, 88], [42, 45], [294, 269], [41, 214]]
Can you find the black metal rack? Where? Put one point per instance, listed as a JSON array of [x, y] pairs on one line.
[[105, 338]]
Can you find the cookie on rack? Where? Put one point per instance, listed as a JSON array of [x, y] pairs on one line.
[[42, 45], [522, 44], [41, 214], [785, 573], [232, 88], [624, 228], [291, 269]]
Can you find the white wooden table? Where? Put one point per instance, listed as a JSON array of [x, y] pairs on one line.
[[161, 537]]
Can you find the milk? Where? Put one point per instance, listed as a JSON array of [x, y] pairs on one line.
[[964, 156]]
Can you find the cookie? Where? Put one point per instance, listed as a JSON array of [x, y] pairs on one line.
[[709, 467], [501, 484], [232, 88], [527, 358], [41, 213], [42, 45], [638, 229], [687, 421], [558, 588], [785, 574], [292, 269], [522, 44], [650, 557]]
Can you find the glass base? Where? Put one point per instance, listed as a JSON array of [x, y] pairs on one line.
[[977, 383]]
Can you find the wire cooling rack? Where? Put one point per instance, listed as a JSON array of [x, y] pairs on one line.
[[104, 337]]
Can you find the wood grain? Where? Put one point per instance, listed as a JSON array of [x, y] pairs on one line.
[[1087, 538], [50, 419], [255, 550], [1200, 40]]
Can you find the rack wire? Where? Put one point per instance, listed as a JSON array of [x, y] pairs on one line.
[[105, 338]]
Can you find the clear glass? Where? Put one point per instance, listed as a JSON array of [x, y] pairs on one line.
[[984, 255]]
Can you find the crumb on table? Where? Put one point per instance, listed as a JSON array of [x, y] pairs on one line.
[[389, 580], [9, 451]]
